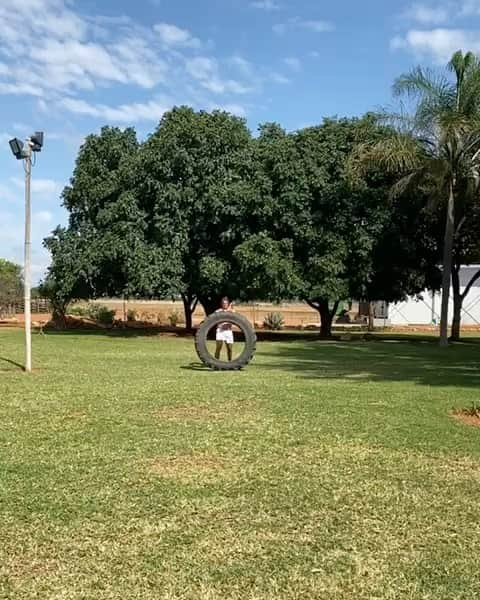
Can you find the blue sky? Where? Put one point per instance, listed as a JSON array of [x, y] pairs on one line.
[[69, 67]]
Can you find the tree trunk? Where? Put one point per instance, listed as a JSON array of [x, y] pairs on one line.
[[447, 267], [189, 305], [326, 319], [59, 315], [210, 303], [326, 315], [457, 304], [371, 316], [458, 298]]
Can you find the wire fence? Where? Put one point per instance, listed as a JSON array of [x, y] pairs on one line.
[[37, 306]]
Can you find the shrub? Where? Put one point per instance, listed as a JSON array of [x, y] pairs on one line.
[[174, 318], [105, 315], [97, 312], [78, 311], [131, 314], [274, 321]]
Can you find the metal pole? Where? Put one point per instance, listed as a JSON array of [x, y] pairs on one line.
[[27, 276]]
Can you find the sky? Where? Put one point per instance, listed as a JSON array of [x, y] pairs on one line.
[[68, 67]]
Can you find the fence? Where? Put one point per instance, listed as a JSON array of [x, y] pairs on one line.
[[37, 306]]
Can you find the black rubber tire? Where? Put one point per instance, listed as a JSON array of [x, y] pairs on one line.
[[225, 317]]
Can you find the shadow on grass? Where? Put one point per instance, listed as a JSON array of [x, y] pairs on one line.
[[262, 336], [416, 360], [12, 362], [118, 332], [196, 367]]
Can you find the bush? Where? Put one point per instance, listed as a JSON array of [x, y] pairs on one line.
[[174, 318], [104, 315], [78, 311], [274, 321], [131, 314], [96, 312]]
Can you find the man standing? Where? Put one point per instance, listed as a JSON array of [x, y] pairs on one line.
[[224, 333]]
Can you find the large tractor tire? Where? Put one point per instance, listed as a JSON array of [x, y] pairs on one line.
[[211, 322]]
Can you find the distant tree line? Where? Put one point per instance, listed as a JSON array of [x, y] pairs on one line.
[[367, 208]]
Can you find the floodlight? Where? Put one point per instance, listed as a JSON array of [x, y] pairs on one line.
[[37, 141], [16, 146]]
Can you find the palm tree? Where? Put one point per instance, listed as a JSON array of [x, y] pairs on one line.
[[438, 145]]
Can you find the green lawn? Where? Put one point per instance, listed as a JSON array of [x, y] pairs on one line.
[[324, 470]]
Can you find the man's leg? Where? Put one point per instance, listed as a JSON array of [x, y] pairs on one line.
[[229, 351], [218, 349]]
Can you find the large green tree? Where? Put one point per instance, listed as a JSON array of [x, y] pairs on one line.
[[197, 178], [11, 284], [311, 207], [112, 244], [438, 146], [329, 233]]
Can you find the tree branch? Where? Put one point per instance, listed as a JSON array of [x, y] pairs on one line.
[[460, 225], [335, 308], [470, 284], [312, 304]]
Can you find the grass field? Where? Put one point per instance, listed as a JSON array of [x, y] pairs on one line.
[[322, 471]]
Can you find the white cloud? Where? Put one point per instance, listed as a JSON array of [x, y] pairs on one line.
[[235, 109], [171, 35], [64, 59], [279, 78], [5, 137], [309, 25], [42, 187], [280, 28], [6, 194], [42, 216], [244, 66], [267, 5], [427, 15], [77, 56], [437, 45], [12, 237], [469, 8], [317, 26], [206, 71], [445, 11], [125, 113], [293, 63]]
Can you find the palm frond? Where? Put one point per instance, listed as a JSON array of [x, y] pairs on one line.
[[457, 64], [423, 83], [398, 154]]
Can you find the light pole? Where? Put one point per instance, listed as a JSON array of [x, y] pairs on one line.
[[24, 152]]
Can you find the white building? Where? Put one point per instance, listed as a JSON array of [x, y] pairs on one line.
[[425, 309]]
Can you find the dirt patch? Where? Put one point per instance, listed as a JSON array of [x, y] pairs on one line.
[[189, 413], [75, 416], [240, 412], [204, 466], [33, 567], [467, 417]]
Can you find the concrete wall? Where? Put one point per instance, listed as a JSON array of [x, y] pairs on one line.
[[425, 310]]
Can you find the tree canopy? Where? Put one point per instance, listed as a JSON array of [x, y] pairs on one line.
[[11, 284], [437, 147], [351, 208]]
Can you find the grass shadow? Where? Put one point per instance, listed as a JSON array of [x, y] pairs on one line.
[[420, 361], [12, 362], [123, 332], [196, 367]]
